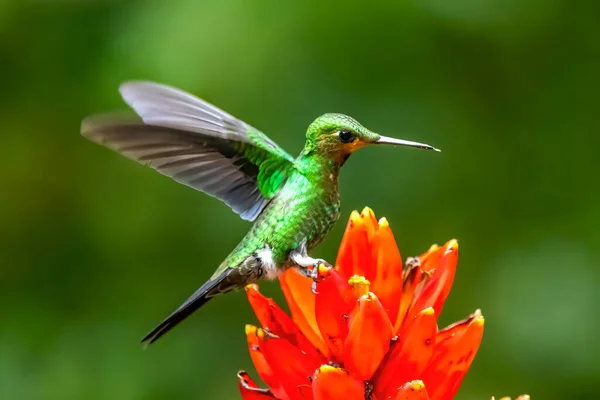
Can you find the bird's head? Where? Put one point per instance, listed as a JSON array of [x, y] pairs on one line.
[[336, 136]]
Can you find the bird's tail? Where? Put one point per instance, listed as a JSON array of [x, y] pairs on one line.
[[213, 287]]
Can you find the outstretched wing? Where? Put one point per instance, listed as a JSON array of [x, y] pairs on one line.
[[196, 144]]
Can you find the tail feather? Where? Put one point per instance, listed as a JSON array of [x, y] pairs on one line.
[[195, 301]]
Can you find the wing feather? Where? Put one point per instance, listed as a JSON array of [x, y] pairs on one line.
[[205, 163], [195, 143]]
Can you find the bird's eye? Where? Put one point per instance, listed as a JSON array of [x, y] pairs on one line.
[[346, 136]]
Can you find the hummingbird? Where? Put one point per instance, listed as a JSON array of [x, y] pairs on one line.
[[292, 202]]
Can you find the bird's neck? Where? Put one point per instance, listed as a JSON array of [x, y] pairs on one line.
[[318, 167]]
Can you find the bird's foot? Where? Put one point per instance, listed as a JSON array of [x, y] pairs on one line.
[[317, 272], [309, 266]]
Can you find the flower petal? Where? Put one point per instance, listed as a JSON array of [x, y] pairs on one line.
[[430, 258], [292, 367], [301, 300], [276, 321], [453, 354], [330, 383], [354, 255], [411, 277], [414, 390], [270, 316], [436, 290], [408, 356], [368, 338], [386, 281], [250, 390], [334, 301], [255, 339]]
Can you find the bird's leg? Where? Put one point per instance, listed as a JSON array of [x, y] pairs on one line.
[[305, 262]]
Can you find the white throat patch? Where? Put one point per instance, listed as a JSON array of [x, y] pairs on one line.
[[266, 258]]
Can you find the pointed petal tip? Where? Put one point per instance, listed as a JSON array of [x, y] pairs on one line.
[[452, 245], [383, 223], [476, 318], [367, 212], [415, 385], [431, 251], [428, 311], [250, 390], [326, 368], [331, 383], [244, 379], [355, 251], [414, 390], [479, 321], [251, 287], [432, 248]]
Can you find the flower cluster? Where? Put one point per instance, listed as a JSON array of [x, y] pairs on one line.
[[370, 332]]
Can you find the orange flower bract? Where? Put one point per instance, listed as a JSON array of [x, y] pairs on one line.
[[371, 330]]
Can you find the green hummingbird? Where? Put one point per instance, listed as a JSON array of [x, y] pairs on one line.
[[294, 202]]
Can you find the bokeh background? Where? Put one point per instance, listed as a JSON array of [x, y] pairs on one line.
[[96, 249]]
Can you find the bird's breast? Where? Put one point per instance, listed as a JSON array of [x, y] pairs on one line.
[[304, 210]]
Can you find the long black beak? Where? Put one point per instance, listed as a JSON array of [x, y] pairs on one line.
[[408, 143]]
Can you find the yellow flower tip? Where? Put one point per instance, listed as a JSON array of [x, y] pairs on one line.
[[428, 311], [354, 216], [383, 223], [415, 385], [477, 317], [326, 368], [252, 286], [360, 285], [368, 296], [425, 256], [250, 329], [452, 246], [367, 213]]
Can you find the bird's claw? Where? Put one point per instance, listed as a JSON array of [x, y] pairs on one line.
[[313, 288], [314, 273]]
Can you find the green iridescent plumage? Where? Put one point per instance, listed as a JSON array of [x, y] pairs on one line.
[[294, 203]]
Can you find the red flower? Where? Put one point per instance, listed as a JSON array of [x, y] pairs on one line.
[[370, 332]]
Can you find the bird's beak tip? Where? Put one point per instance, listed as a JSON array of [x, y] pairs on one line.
[[408, 143]]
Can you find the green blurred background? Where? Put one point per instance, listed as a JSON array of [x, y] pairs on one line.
[[96, 249]]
